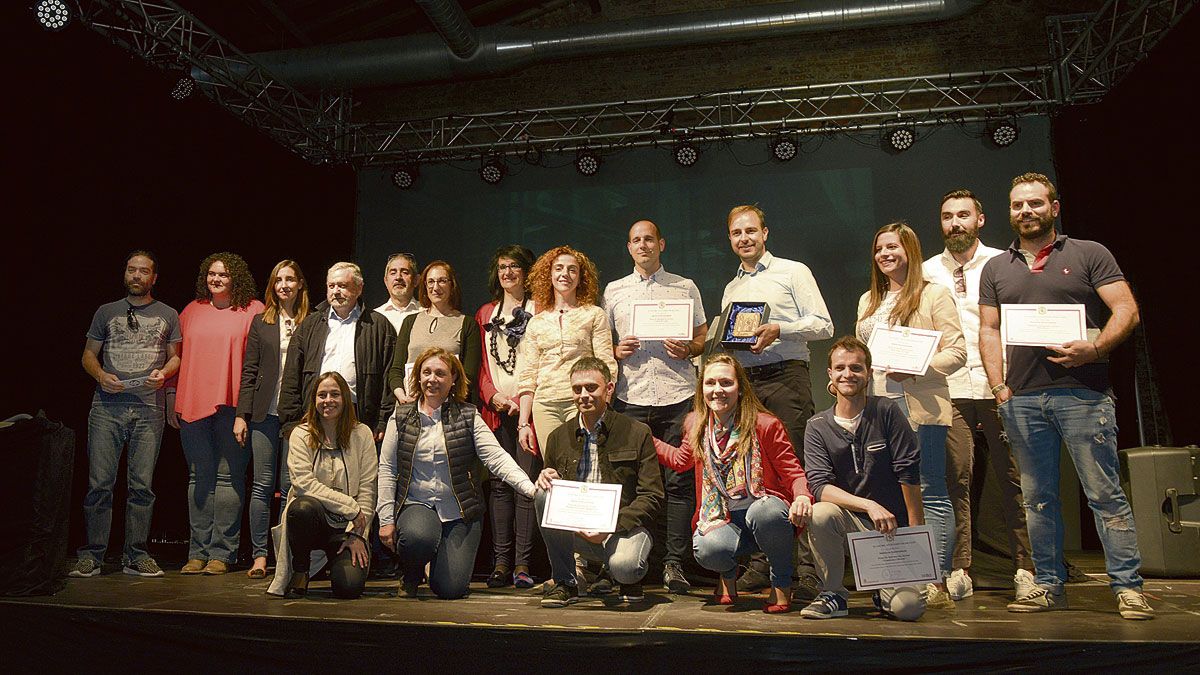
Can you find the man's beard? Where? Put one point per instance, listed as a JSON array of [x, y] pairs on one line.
[[961, 242], [1044, 225], [145, 290]]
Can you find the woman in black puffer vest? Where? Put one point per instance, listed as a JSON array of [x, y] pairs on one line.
[[430, 505]]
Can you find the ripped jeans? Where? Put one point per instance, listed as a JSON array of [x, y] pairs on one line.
[[1038, 424]]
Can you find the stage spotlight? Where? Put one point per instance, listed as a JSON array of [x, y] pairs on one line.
[[784, 148], [686, 154], [54, 15], [587, 162], [900, 139], [183, 88], [406, 176], [1003, 133], [533, 156], [492, 171]]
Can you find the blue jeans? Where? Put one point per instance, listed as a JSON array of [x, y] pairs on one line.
[[215, 497], [111, 427], [935, 494], [264, 448], [448, 548], [762, 527], [1038, 424], [625, 553]]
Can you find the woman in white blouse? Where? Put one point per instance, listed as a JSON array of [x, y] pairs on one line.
[[331, 459], [564, 284], [430, 502]]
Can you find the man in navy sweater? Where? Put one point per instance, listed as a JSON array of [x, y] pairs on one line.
[[863, 468]]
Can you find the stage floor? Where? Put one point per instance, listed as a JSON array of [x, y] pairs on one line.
[[495, 629]]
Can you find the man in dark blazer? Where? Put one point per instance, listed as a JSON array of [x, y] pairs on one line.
[[601, 446], [341, 335]]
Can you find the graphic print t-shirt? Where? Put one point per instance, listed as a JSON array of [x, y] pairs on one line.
[[131, 353]]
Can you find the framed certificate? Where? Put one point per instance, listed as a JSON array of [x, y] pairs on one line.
[[902, 350], [738, 322], [1042, 325], [662, 319], [906, 558], [582, 507]]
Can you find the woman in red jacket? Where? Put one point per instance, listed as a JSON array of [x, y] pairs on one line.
[[751, 494], [502, 324]]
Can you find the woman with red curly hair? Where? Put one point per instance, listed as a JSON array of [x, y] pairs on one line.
[[569, 325]]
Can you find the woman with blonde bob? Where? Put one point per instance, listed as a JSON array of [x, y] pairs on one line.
[[564, 284], [331, 459], [900, 296], [257, 420], [751, 493], [430, 503]]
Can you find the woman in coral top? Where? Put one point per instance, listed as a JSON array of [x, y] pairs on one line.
[[502, 323], [751, 493], [564, 284], [214, 328]]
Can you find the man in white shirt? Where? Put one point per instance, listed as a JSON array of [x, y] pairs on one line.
[[777, 362], [657, 382], [958, 268], [398, 277]]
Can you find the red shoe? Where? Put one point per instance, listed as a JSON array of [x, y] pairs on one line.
[[780, 608], [724, 598]]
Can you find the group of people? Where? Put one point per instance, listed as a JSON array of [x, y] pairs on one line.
[[381, 427]]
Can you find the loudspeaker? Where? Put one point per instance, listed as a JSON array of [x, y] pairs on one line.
[[1163, 486]]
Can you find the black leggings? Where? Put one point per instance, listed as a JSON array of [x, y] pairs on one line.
[[308, 531], [512, 515]]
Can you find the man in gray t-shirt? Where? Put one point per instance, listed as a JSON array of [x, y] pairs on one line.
[[132, 349]]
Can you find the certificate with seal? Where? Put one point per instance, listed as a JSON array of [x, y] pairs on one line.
[[903, 350], [906, 558], [1042, 325], [662, 319], [582, 507]]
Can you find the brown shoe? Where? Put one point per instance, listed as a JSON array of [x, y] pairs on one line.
[[215, 567], [193, 566]]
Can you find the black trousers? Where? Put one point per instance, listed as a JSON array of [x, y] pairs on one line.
[[785, 389], [674, 527], [308, 531], [512, 516]]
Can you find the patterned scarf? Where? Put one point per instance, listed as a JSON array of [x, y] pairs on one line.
[[724, 477]]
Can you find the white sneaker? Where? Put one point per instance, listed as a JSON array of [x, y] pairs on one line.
[[959, 585], [936, 598], [1132, 605], [1024, 583]]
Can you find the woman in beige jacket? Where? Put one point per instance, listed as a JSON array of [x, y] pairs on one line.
[[899, 296], [333, 467]]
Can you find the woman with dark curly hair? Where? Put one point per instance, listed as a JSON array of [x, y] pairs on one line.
[[502, 323], [569, 325], [214, 328]]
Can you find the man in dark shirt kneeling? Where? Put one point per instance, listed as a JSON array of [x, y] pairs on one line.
[[601, 446], [863, 468]]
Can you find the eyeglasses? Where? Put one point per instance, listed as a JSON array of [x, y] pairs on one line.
[[514, 267], [131, 320], [440, 281], [960, 283]]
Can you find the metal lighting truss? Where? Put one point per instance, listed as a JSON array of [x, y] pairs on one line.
[[1091, 53], [808, 109], [167, 36]]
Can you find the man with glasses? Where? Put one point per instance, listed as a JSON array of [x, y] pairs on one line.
[[132, 348], [958, 268], [398, 276]]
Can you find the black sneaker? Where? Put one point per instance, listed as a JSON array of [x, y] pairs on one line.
[[603, 585], [85, 567], [632, 593], [806, 588], [674, 579], [752, 580], [561, 596], [146, 567]]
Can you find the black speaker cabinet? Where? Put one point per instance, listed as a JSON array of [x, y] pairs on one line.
[[1163, 486]]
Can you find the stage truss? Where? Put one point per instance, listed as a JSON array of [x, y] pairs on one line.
[[1091, 53]]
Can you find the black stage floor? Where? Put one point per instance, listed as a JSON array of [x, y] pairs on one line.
[[121, 622]]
